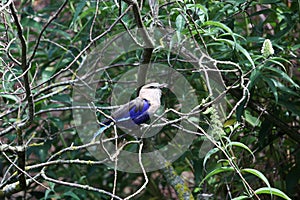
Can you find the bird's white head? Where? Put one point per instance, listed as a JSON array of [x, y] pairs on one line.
[[152, 91]]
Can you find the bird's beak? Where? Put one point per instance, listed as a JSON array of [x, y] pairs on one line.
[[163, 85]]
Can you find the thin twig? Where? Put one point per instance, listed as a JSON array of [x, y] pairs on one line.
[[94, 20], [24, 172], [44, 29], [144, 173], [80, 186], [6, 5]]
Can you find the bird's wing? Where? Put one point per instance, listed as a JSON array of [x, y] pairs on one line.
[[139, 112], [128, 115], [122, 113], [131, 110], [142, 118]]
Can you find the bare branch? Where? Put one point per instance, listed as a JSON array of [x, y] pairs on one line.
[[149, 44], [6, 5]]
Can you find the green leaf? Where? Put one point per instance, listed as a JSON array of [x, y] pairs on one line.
[[58, 123], [59, 33], [62, 98], [180, 23], [27, 22], [254, 77], [207, 156], [241, 198], [278, 61], [240, 109], [255, 39], [269, 1], [272, 191], [200, 10], [11, 97], [217, 171], [222, 26], [51, 185], [271, 83], [297, 46], [71, 194], [47, 73], [285, 89], [257, 174], [78, 10], [282, 75], [254, 121], [47, 194], [291, 106], [241, 145], [239, 48]]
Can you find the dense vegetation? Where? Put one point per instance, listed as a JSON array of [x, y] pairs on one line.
[[253, 46]]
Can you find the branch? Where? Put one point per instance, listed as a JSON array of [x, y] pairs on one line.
[[21, 154], [80, 186], [149, 44], [6, 147], [24, 66], [13, 188], [144, 173], [66, 162], [182, 190], [6, 5], [33, 179]]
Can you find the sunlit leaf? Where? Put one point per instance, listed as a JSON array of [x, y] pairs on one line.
[[241, 145], [11, 97], [272, 191], [257, 174]]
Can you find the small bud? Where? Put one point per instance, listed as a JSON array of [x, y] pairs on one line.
[[267, 48]]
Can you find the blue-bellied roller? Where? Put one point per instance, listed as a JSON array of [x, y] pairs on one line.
[[137, 111]]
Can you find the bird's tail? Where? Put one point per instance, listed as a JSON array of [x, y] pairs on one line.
[[99, 132]]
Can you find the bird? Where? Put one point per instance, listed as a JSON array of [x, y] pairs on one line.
[[137, 111]]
